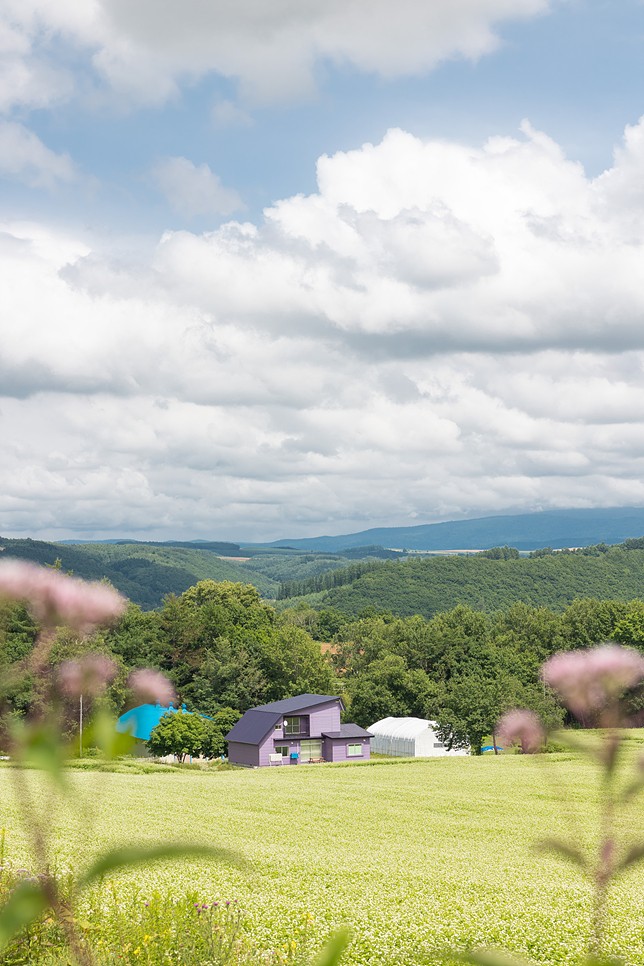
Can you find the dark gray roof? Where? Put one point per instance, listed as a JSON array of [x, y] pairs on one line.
[[348, 731], [298, 703], [254, 726]]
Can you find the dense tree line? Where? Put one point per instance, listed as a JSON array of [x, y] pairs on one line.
[[327, 580], [463, 667], [225, 648]]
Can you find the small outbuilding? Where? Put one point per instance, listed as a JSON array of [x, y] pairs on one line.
[[409, 738]]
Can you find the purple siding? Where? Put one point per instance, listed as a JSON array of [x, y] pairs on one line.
[[323, 717], [335, 749], [266, 749], [242, 754]]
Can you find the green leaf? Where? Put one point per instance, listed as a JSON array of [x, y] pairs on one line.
[[333, 949], [485, 957], [25, 904], [565, 850], [41, 748], [101, 733], [633, 789], [634, 854], [593, 960], [584, 744], [130, 856]]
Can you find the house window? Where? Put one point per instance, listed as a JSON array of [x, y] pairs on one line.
[[278, 726], [281, 750], [295, 726], [439, 744], [354, 750], [310, 749]]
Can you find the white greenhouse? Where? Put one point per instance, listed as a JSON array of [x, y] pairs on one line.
[[408, 738]]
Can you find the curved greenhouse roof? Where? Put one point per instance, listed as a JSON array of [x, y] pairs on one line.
[[402, 727], [408, 738]]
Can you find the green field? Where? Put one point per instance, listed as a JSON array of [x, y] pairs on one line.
[[413, 855]]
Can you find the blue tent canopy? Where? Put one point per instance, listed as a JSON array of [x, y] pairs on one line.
[[142, 720]]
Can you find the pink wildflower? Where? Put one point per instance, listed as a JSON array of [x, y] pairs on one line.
[[151, 687], [521, 728], [54, 598], [89, 676], [587, 681]]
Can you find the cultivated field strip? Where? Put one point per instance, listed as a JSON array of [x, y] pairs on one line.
[[413, 855]]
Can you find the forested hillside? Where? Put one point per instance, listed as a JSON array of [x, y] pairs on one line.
[[146, 572], [143, 572], [428, 585]]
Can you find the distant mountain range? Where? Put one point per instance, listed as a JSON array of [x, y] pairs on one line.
[[147, 571], [525, 531]]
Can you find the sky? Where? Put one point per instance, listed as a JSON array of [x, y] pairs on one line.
[[311, 266]]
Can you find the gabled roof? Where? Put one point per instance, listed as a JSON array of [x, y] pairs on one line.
[[254, 726], [298, 703], [348, 731]]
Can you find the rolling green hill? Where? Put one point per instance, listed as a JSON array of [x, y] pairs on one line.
[[146, 572], [428, 585], [143, 572]]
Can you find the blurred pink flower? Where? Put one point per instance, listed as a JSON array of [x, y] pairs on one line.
[[587, 681], [151, 687], [90, 675], [54, 598], [521, 728]]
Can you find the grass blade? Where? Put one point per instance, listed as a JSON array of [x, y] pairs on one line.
[[130, 856], [565, 850], [485, 957]]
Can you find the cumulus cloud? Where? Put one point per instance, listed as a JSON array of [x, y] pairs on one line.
[[24, 157], [194, 190], [439, 329], [146, 50], [415, 246]]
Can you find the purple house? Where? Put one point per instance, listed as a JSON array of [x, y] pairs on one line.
[[297, 730]]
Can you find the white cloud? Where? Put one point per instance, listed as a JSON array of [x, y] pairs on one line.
[[439, 329], [30, 76], [146, 50], [272, 48], [194, 190], [24, 157]]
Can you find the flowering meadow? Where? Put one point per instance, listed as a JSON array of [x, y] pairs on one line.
[[415, 856]]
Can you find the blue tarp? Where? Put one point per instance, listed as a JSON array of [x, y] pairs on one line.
[[141, 721]]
